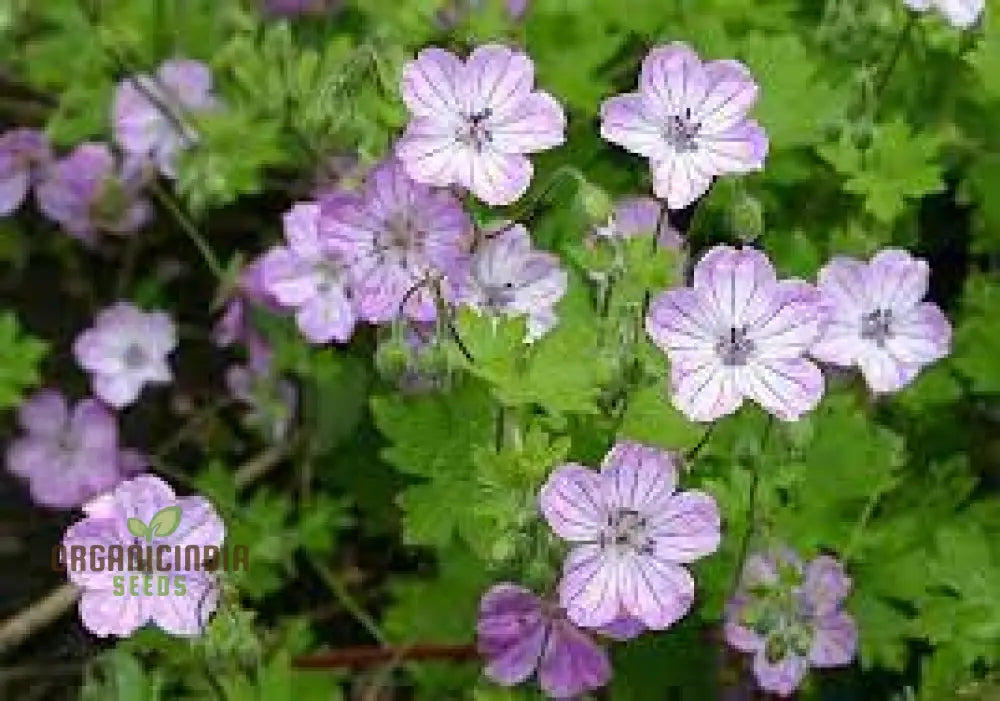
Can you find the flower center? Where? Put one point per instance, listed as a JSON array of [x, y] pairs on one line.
[[734, 347], [877, 326], [329, 277], [681, 132], [625, 530], [475, 133], [134, 357]]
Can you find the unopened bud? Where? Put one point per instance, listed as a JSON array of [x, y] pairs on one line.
[[747, 218], [596, 202]]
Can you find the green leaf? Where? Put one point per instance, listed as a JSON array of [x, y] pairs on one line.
[[20, 356], [651, 418], [165, 521], [138, 529], [898, 166], [977, 343]]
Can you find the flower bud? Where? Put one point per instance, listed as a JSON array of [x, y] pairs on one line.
[[747, 217], [595, 201]]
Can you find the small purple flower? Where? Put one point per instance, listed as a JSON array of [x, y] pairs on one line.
[[959, 13], [87, 193], [791, 618], [739, 333], [520, 634], [877, 319], [395, 237], [474, 121], [639, 216], [66, 456], [125, 349], [24, 156], [633, 532], [689, 119], [192, 594], [509, 277], [152, 114], [307, 275]]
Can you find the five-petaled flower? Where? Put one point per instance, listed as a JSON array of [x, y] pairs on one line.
[[474, 121], [959, 13], [519, 633], [632, 534], [87, 192], [396, 238], [105, 611], [125, 349], [791, 618], [877, 318], [689, 119], [307, 275], [153, 113], [68, 456], [739, 333], [507, 276]]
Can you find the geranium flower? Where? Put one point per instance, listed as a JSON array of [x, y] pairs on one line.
[[124, 350], [791, 618], [520, 634], [105, 612], [393, 238], [66, 456], [24, 156], [959, 13], [689, 119], [87, 192], [508, 277], [877, 319], [739, 333], [474, 121], [308, 276], [152, 114], [633, 532]]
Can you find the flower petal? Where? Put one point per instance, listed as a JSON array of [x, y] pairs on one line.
[[785, 387], [103, 613], [681, 178], [687, 528], [428, 149], [572, 663], [497, 79], [673, 77], [431, 85], [639, 478], [683, 326], [327, 317], [737, 284], [705, 391], [44, 414], [496, 178], [921, 336], [657, 592], [626, 121], [536, 124], [731, 92], [835, 641], [897, 280], [826, 585], [572, 503], [185, 615], [590, 587], [782, 677]]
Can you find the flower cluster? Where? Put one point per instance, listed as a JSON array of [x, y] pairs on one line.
[[741, 333], [791, 617]]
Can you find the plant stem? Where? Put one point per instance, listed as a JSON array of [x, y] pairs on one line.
[[349, 603], [897, 51], [750, 514], [182, 219]]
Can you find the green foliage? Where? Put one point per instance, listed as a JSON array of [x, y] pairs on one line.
[[20, 355]]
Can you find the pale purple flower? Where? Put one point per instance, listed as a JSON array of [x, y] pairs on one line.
[[66, 456], [125, 349], [24, 155], [640, 216], [519, 634], [152, 113], [959, 13], [87, 192], [307, 275], [632, 533], [395, 237], [507, 276], [739, 333], [689, 119], [474, 121], [102, 611], [877, 319], [791, 618]]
